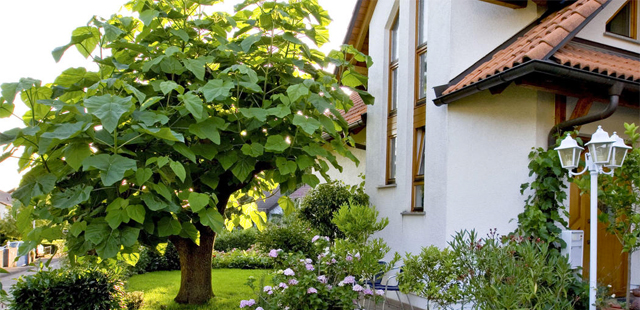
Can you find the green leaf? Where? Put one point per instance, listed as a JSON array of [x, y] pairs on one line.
[[243, 168], [112, 32], [112, 168], [71, 197], [136, 213], [162, 133], [77, 228], [33, 186], [209, 129], [228, 159], [257, 113], [97, 232], [254, 149], [172, 50], [6, 109], [86, 39], [136, 92], [310, 179], [198, 201], [208, 151], [129, 235], [150, 118], [191, 232], [276, 143], [212, 218], [291, 38], [280, 111], [162, 189], [297, 91], [161, 161], [353, 79], [76, 153], [196, 66], [150, 102], [216, 89], [304, 161], [115, 217], [168, 226], [70, 77], [131, 258], [193, 103], [59, 51], [108, 109], [154, 203], [147, 16], [65, 131], [178, 169], [308, 124], [185, 151], [168, 86], [249, 41], [9, 91], [286, 204], [285, 166], [172, 65], [180, 33], [153, 62], [110, 247]]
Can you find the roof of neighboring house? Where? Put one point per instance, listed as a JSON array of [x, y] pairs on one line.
[[551, 40], [354, 115], [5, 199], [271, 201]]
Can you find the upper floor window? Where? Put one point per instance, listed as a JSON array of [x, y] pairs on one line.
[[625, 21], [392, 117], [421, 53]]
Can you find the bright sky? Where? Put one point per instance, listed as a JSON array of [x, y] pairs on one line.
[[31, 29]]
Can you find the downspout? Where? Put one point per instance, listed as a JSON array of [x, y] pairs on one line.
[[614, 93]]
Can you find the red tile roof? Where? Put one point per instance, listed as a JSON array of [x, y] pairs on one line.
[[585, 57], [536, 43], [354, 114]]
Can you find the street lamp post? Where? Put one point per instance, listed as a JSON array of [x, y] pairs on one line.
[[604, 151]]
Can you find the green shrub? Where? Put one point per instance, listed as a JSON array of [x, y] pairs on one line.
[[244, 259], [81, 289], [134, 300], [321, 202], [8, 229], [291, 236], [236, 239], [162, 257]]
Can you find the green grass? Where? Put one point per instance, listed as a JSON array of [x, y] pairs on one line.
[[162, 286]]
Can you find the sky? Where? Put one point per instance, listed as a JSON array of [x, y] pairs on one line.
[[31, 29]]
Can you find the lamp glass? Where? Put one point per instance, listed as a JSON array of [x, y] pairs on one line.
[[617, 156], [569, 158], [600, 152]]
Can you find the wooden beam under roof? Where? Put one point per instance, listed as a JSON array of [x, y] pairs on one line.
[[514, 4]]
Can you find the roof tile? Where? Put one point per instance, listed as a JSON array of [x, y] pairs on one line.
[[536, 43], [589, 58], [359, 107]]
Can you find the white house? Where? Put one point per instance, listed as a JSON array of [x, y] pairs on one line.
[[465, 88]]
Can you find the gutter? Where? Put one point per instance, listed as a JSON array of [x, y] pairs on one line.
[[534, 66], [614, 92]]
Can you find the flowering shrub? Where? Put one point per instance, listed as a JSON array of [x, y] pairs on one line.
[[245, 259], [337, 278]]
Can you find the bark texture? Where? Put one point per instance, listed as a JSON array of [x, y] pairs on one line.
[[195, 267]]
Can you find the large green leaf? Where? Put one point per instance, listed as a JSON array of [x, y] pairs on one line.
[[154, 203], [308, 124], [198, 201], [193, 103], [286, 204], [212, 218], [216, 89], [257, 113], [297, 91], [209, 129], [108, 109], [9, 91], [112, 167], [276, 143], [129, 235], [168, 226], [243, 168], [86, 39], [162, 133], [111, 246], [71, 197], [285, 166], [76, 153], [97, 232], [34, 185], [115, 217], [143, 175], [178, 169], [136, 213], [185, 151], [66, 131], [253, 149], [196, 66], [190, 231]]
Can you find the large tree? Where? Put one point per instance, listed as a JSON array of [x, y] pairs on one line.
[[191, 112]]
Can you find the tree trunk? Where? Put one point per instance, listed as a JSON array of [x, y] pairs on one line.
[[195, 267]]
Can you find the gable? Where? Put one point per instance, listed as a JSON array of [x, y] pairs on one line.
[[596, 29]]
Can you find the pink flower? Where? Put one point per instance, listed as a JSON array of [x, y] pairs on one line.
[[283, 285], [293, 282], [349, 280], [309, 267], [357, 256], [379, 292], [289, 272], [247, 303], [367, 291], [322, 279], [312, 290], [315, 238], [349, 258], [273, 253], [329, 286], [358, 288], [259, 308]]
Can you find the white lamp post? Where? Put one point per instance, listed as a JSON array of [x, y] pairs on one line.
[[604, 151]]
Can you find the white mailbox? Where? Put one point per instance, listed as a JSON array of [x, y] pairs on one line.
[[575, 246]]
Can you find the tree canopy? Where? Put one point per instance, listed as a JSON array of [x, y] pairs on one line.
[[191, 115]]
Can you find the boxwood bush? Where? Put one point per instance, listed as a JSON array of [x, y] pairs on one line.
[[241, 239], [162, 257], [81, 289]]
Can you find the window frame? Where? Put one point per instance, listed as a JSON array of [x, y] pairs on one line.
[[634, 13], [391, 167], [419, 109]]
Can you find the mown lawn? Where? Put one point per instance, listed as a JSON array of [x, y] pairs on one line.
[[162, 286]]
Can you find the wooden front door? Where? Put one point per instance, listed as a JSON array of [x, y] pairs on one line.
[[612, 263]]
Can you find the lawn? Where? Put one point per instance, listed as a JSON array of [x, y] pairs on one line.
[[162, 286]]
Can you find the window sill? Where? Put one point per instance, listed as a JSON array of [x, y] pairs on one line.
[[387, 186], [412, 213], [617, 36]]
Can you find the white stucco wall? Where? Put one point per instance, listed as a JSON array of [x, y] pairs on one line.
[[595, 30], [350, 171]]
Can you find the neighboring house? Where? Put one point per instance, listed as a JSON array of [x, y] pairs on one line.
[[5, 203], [270, 205], [447, 147]]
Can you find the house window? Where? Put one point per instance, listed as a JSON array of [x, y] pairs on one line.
[[625, 21], [392, 116], [419, 109]]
